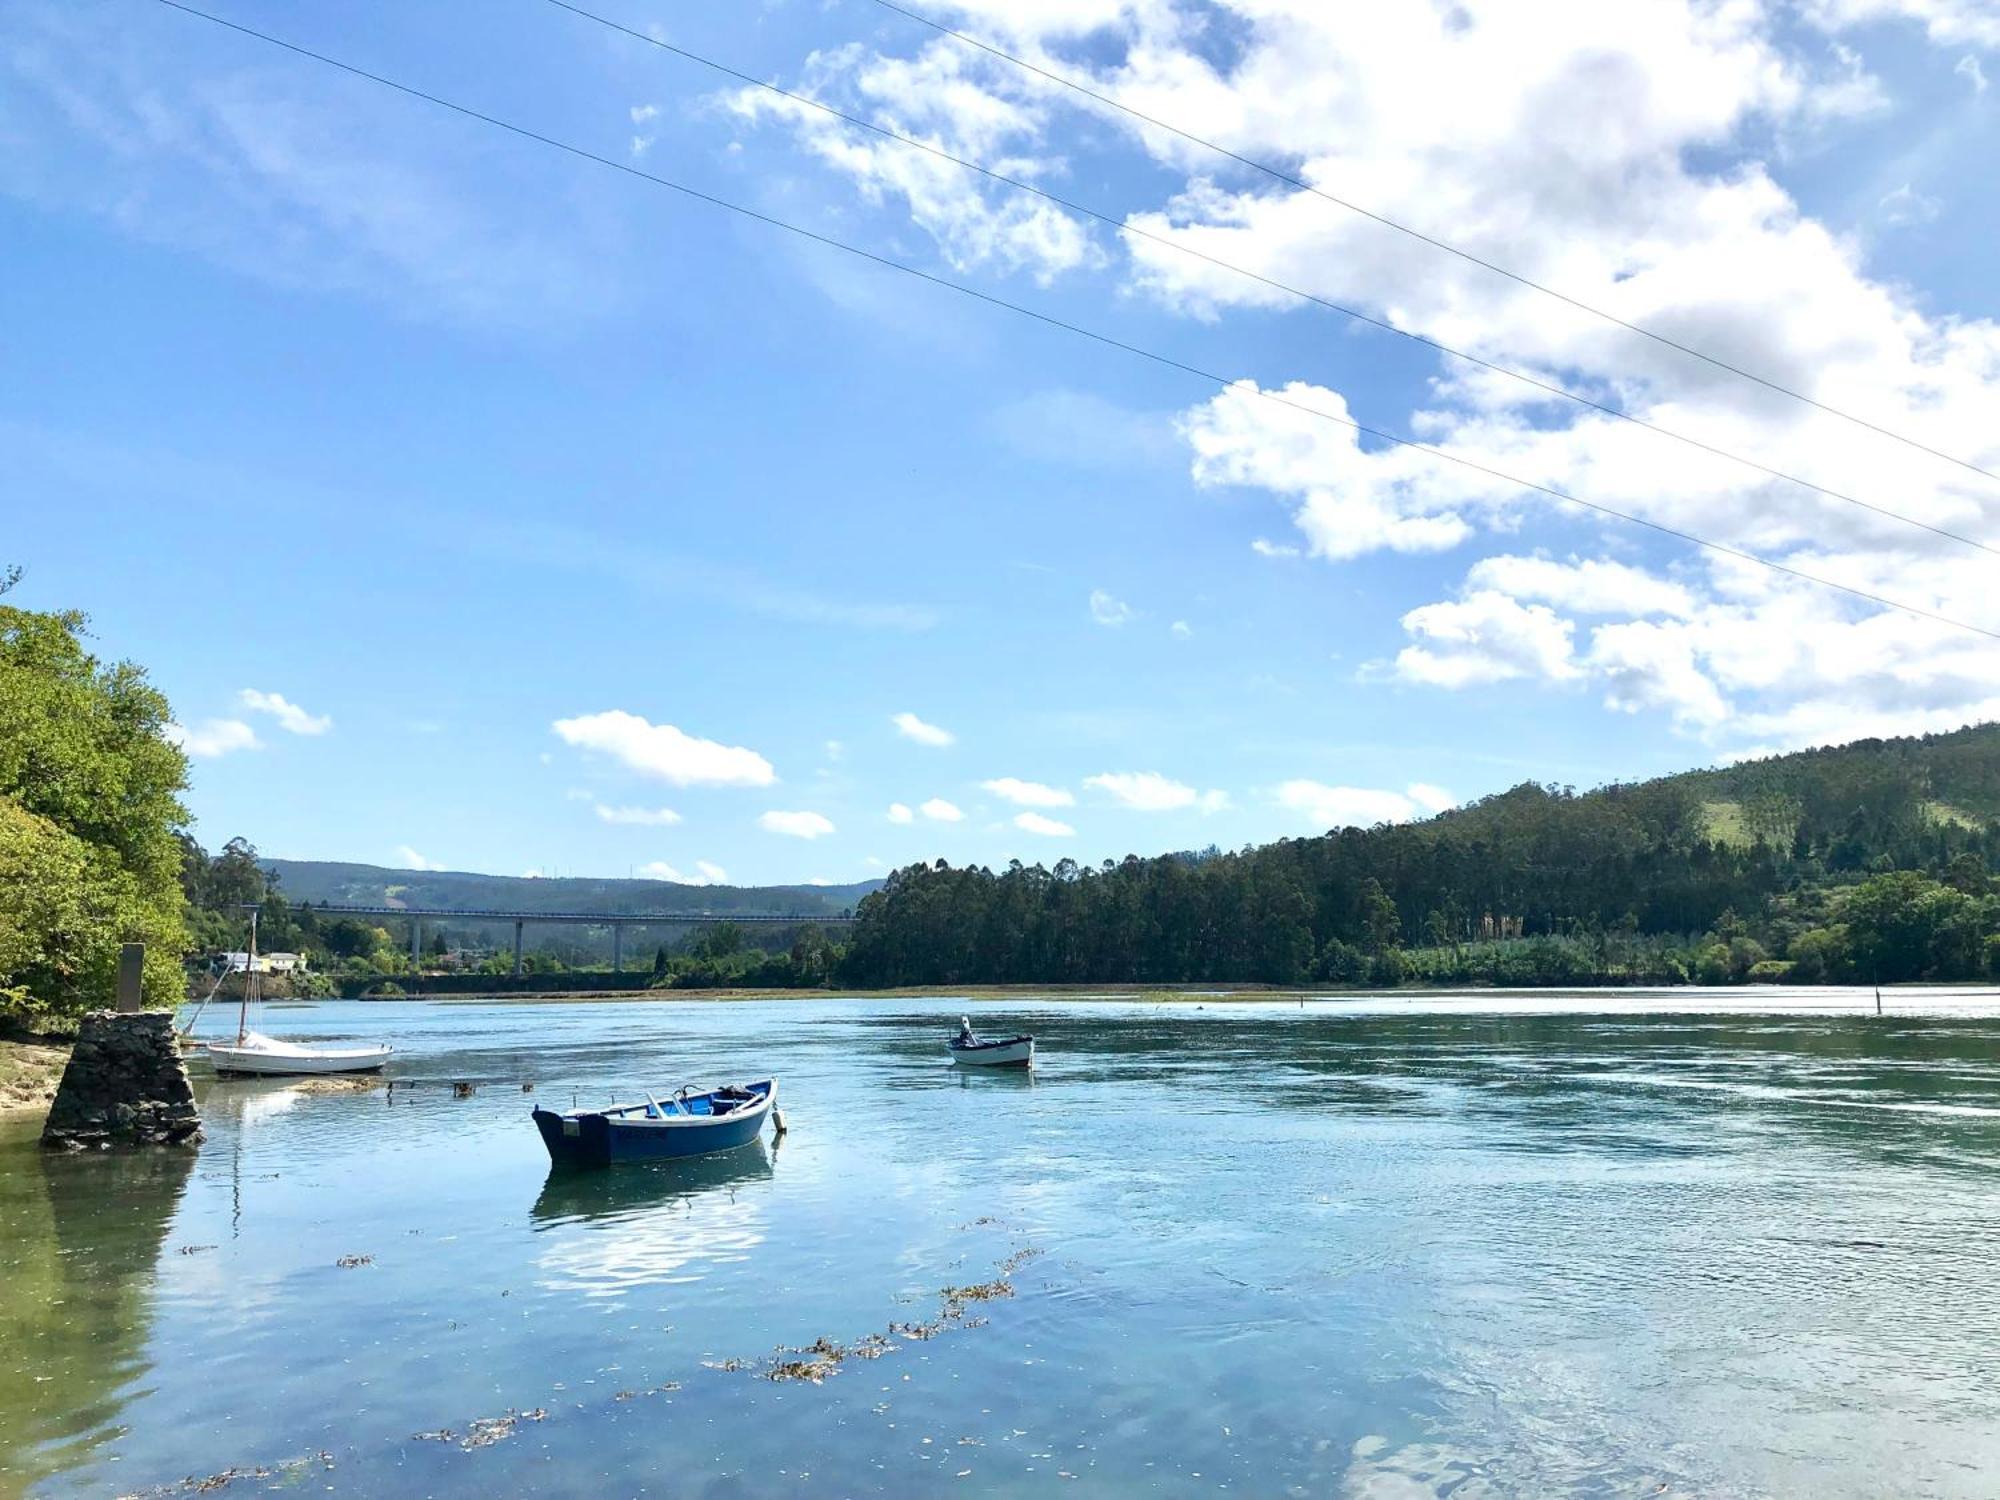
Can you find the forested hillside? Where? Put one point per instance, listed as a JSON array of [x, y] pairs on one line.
[[1868, 862]]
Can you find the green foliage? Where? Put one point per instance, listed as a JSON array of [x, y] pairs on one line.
[[1819, 955], [717, 959], [1907, 926], [90, 819]]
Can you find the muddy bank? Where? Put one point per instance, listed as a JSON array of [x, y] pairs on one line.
[[30, 1068]]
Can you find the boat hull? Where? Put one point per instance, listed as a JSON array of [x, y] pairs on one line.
[[587, 1138], [1018, 1052], [249, 1062]]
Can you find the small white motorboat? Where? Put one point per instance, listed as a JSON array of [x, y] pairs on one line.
[[253, 1052], [969, 1051]]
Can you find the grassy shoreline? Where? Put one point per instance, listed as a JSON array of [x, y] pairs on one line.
[[30, 1069]]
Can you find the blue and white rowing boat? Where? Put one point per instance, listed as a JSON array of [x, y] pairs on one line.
[[688, 1124]]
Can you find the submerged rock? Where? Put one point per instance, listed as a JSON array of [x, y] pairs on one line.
[[125, 1086]]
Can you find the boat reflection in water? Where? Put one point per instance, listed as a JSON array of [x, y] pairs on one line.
[[667, 1222]]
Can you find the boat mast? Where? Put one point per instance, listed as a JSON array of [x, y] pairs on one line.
[[249, 979]]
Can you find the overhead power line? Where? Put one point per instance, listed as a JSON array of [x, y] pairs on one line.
[[1121, 226], [1210, 377], [1279, 175]]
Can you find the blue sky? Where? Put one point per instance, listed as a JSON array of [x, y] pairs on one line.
[[447, 440]]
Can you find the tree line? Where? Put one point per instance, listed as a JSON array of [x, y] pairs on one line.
[[1629, 884]]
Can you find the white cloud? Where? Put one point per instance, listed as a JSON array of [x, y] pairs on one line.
[[940, 811], [900, 813], [1484, 638], [1321, 806], [937, 97], [1106, 610], [797, 825], [1432, 799], [642, 817], [1754, 661], [1181, 630], [910, 727], [1645, 664], [705, 873], [291, 718], [1028, 793], [1905, 206], [409, 859], [1969, 69], [214, 737], [834, 750], [662, 750], [1347, 501], [1149, 791], [1590, 586], [1041, 823], [1947, 22]]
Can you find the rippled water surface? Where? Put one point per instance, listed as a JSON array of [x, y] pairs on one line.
[[1383, 1249]]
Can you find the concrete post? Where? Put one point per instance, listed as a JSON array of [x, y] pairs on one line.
[[517, 947], [131, 977], [617, 946], [416, 941]]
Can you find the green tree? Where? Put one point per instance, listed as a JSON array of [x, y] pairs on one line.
[[85, 749], [1819, 954], [1893, 922]]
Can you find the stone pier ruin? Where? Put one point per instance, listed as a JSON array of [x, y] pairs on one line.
[[125, 1086]]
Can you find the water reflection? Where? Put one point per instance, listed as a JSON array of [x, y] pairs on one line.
[[80, 1242], [623, 1228], [995, 1078]]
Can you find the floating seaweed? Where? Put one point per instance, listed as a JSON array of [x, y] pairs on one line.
[[193, 1249], [484, 1432], [289, 1469], [349, 1262], [816, 1361]]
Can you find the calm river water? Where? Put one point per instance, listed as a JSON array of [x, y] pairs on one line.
[[1584, 1246]]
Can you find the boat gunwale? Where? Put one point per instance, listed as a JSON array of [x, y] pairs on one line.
[[617, 1120]]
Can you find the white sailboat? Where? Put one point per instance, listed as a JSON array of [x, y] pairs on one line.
[[254, 1053]]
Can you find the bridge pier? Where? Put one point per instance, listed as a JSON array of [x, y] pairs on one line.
[[617, 945], [416, 941], [517, 947]]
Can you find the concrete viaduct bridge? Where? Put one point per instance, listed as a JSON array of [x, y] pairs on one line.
[[617, 921]]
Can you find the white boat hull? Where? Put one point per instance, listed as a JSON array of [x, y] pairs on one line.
[[1019, 1053], [284, 1060]]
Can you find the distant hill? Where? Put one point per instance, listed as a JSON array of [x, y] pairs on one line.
[[1953, 778], [324, 881], [1871, 861]]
